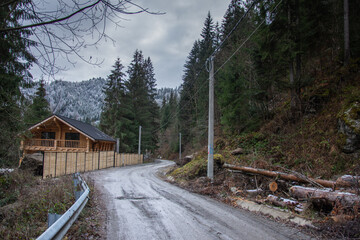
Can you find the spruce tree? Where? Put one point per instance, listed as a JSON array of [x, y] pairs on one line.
[[15, 62], [40, 108], [194, 93], [114, 91], [141, 96]]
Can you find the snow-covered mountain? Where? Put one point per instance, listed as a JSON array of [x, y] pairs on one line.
[[78, 100], [165, 92]]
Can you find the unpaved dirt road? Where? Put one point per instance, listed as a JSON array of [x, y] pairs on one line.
[[142, 206]]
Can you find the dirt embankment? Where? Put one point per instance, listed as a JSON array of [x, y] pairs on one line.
[[332, 219]]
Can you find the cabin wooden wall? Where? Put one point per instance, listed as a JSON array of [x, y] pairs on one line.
[[61, 129], [61, 163]]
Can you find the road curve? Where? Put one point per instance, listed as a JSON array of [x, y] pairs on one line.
[[142, 206]]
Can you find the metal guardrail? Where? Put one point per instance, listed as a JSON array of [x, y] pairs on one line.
[[62, 225]]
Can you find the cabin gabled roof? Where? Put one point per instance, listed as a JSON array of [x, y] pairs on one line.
[[85, 128]]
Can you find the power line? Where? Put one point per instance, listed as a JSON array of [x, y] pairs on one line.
[[227, 60], [205, 65], [234, 28], [177, 105], [257, 28]]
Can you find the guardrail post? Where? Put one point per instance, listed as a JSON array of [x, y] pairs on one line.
[[52, 218], [60, 224]]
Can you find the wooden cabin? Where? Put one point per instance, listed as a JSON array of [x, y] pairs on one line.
[[62, 134]]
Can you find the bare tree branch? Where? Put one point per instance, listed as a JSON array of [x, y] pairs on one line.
[[52, 21], [62, 28], [60, 19]]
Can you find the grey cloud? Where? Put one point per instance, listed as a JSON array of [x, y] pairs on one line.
[[167, 39]]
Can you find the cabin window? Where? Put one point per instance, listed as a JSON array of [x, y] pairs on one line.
[[72, 136], [71, 140], [47, 135]]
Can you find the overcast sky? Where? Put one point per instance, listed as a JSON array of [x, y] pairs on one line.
[[166, 39]]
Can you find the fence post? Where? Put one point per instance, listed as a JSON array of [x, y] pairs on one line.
[[55, 162], [65, 162], [114, 159], [139, 150], [92, 161], [85, 162], [76, 162], [43, 160], [99, 161]]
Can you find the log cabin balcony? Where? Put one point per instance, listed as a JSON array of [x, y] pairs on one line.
[[62, 134], [54, 145]]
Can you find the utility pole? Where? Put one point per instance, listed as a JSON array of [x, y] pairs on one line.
[[139, 151], [210, 165], [118, 145], [179, 146]]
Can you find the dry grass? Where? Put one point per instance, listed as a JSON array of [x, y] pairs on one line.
[[91, 221], [26, 200]]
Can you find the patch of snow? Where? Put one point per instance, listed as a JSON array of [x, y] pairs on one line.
[[6, 170]]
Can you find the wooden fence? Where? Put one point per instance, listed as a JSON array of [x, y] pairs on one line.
[[61, 163]]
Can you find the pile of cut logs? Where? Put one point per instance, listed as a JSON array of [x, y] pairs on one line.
[[345, 190]]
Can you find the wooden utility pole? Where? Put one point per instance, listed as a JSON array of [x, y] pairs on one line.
[[210, 165]]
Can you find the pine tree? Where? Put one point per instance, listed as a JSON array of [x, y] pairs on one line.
[[194, 93], [114, 91], [141, 95], [153, 106], [40, 108], [117, 116], [236, 83], [15, 62]]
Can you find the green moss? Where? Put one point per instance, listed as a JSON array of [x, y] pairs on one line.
[[341, 140], [351, 94], [351, 117], [195, 168], [218, 158]]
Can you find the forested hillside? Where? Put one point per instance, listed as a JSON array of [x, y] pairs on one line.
[[286, 85]]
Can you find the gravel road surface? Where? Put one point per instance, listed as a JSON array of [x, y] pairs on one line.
[[142, 206]]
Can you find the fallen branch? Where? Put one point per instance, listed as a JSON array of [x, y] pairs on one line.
[[291, 177], [348, 181], [345, 198]]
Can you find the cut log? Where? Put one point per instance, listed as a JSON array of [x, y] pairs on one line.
[[273, 186], [281, 202], [282, 175], [345, 198], [348, 181], [253, 192]]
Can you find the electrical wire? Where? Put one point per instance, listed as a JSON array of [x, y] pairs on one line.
[[233, 29], [257, 28], [227, 60]]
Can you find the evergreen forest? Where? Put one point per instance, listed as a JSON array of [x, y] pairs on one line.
[[285, 73], [130, 103], [286, 87], [286, 119]]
